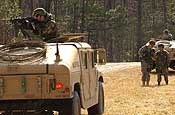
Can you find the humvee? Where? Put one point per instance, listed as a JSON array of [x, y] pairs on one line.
[[170, 47], [39, 78]]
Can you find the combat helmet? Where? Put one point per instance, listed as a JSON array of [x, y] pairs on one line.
[[160, 46], [152, 42], [39, 11], [166, 31]]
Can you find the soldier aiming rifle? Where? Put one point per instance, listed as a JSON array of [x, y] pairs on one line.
[[40, 25]]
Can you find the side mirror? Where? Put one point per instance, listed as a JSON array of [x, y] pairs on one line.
[[100, 56]]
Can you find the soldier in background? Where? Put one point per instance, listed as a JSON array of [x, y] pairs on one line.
[[167, 35], [162, 63], [146, 55]]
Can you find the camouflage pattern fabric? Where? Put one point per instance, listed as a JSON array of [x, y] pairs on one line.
[[39, 11], [162, 63], [145, 69], [167, 37], [146, 55], [46, 30], [34, 29]]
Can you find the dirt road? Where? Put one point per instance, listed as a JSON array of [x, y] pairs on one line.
[[124, 94]]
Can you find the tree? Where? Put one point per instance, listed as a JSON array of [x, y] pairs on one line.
[[120, 26], [171, 16], [9, 9]]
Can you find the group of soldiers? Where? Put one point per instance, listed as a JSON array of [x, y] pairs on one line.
[[151, 59]]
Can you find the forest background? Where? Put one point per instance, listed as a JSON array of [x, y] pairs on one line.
[[120, 26]]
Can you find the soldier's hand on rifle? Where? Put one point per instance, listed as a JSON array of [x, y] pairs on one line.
[[16, 21], [24, 23]]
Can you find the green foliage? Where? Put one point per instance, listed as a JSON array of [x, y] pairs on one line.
[[152, 20], [9, 8], [95, 9], [171, 16], [171, 9], [112, 24], [71, 11], [103, 24], [117, 19], [94, 16]]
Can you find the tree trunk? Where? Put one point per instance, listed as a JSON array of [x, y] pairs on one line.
[[82, 16], [165, 12], [139, 26]]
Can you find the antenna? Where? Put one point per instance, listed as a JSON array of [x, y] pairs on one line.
[[57, 54]]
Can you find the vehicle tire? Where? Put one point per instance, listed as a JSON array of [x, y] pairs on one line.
[[98, 109], [74, 108]]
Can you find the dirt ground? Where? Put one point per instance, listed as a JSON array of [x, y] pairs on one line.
[[124, 94]]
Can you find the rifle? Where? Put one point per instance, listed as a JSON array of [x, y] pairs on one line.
[[25, 23]]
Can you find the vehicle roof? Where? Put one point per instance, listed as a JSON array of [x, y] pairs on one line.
[[76, 44], [68, 52], [167, 43]]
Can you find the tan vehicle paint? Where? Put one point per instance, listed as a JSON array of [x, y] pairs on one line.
[[52, 78]]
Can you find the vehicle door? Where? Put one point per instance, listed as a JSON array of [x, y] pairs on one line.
[[85, 77], [92, 74]]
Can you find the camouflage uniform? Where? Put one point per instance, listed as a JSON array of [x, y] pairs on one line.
[[146, 55], [162, 62], [46, 29], [167, 35], [32, 28]]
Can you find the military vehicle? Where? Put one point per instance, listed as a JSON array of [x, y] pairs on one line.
[[170, 47], [39, 78]]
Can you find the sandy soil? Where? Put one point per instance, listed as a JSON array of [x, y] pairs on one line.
[[124, 94]]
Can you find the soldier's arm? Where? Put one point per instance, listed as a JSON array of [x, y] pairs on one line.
[[171, 36], [51, 28], [141, 52], [153, 54], [23, 23], [168, 58], [156, 57]]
